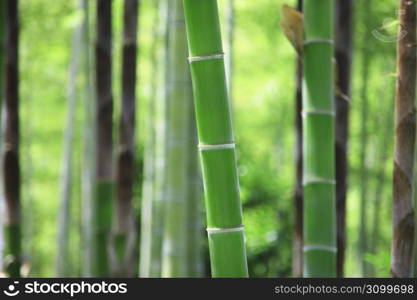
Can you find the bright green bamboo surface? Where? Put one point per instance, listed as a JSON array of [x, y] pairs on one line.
[[318, 141], [223, 207]]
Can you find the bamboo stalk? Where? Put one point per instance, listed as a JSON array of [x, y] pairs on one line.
[[88, 160], [11, 166], [366, 67], [152, 195], [62, 263], [2, 69], [381, 177], [125, 168], [318, 141], [402, 253], [297, 254], [104, 139], [343, 55], [174, 261], [179, 107], [216, 141]]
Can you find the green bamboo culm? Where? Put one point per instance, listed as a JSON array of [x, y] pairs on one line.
[[11, 137], [104, 180], [179, 106], [216, 142], [318, 140]]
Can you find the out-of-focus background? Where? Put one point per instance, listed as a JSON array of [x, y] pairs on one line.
[[263, 101]]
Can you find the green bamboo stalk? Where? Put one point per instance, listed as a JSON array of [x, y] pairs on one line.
[[385, 123], [152, 194], [125, 161], [318, 141], [367, 59], [2, 51], [88, 160], [297, 244], [62, 263], [343, 56], [104, 139], [179, 105], [217, 148], [366, 67], [11, 167], [403, 222]]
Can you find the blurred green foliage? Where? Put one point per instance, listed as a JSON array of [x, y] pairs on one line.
[[263, 103]]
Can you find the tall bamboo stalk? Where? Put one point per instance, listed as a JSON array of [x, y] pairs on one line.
[[366, 66], [297, 254], [11, 167], [88, 160], [343, 55], [381, 176], [179, 108], [216, 141], [2, 51], [318, 141], [402, 254], [104, 138], [152, 194], [125, 160], [62, 263]]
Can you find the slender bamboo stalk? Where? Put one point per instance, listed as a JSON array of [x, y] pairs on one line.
[[11, 167], [297, 259], [318, 141], [62, 263], [223, 207], [152, 196], [343, 54], [2, 51], [179, 106], [366, 66], [104, 139], [381, 177], [88, 163], [125, 170], [402, 253]]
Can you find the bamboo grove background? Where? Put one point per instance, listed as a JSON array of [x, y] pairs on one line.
[[57, 161]]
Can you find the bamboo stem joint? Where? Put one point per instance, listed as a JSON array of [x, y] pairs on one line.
[[192, 59], [213, 147]]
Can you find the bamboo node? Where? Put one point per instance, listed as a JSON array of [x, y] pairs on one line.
[[319, 181], [318, 112], [213, 147], [192, 59], [319, 248], [318, 41], [215, 230]]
